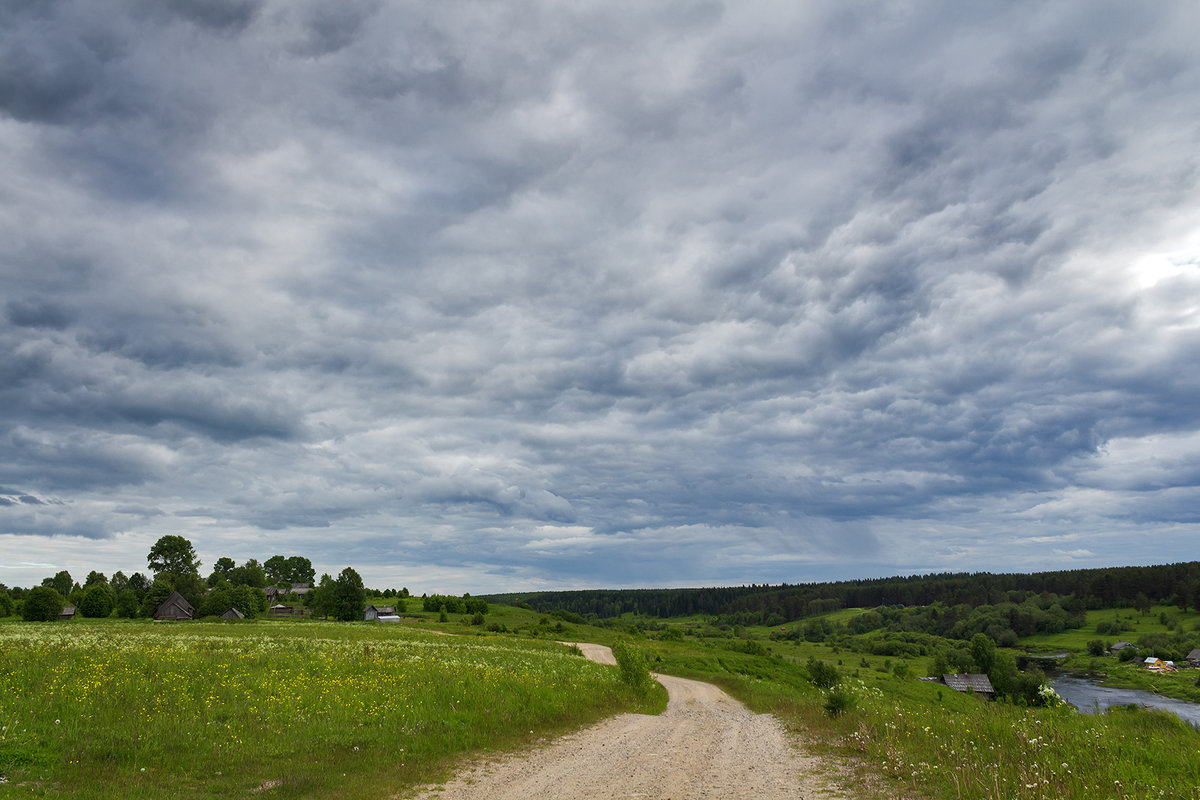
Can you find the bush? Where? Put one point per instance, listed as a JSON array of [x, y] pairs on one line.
[[42, 604], [97, 601], [822, 675], [838, 701], [1096, 647], [632, 664]]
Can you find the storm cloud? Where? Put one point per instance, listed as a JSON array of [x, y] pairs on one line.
[[485, 296]]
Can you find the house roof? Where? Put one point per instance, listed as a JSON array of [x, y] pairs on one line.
[[233, 613], [1194, 655], [1151, 660], [1121, 645], [960, 682]]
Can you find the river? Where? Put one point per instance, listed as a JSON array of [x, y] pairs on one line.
[[1087, 697]]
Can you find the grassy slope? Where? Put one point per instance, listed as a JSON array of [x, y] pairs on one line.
[[110, 708], [909, 738]]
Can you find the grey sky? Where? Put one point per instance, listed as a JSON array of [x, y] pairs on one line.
[[484, 296]]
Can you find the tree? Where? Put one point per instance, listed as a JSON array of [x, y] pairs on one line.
[[6, 603], [42, 604], [61, 583], [172, 555], [983, 652], [93, 578], [1142, 603], [222, 570], [216, 602], [140, 584], [127, 604], [249, 574], [119, 582], [292, 569], [249, 600], [320, 599], [300, 570], [276, 569], [97, 600], [349, 596]]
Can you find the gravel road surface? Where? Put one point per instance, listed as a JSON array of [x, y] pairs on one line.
[[705, 745]]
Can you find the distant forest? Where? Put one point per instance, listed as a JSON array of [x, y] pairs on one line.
[[1110, 587]]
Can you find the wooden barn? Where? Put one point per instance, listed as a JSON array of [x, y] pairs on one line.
[[175, 607], [382, 613], [233, 613]]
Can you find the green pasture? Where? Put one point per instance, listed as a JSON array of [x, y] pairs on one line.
[[125, 709]]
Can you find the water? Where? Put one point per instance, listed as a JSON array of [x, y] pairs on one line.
[[1086, 696]]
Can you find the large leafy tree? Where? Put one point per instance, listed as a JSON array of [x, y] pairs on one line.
[[276, 569], [292, 569], [222, 572], [42, 604], [61, 583], [249, 574], [349, 596], [98, 600], [172, 555]]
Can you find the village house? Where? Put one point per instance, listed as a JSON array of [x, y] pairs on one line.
[[381, 614], [175, 607], [233, 613], [68, 612], [1193, 658], [1119, 646]]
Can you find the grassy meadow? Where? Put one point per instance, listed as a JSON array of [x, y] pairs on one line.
[[282, 708], [303, 708]]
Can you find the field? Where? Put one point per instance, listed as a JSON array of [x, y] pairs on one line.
[[295, 709], [310, 709]]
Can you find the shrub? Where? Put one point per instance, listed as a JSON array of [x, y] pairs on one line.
[[97, 601], [632, 664], [838, 701], [42, 604], [1096, 647], [822, 675]]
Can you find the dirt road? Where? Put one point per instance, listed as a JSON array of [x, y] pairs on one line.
[[705, 745]]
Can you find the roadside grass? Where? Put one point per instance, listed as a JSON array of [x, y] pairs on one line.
[[279, 709], [909, 738]]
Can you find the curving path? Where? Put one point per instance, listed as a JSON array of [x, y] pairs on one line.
[[705, 745]]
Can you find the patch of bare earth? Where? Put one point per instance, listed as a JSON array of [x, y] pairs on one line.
[[705, 745]]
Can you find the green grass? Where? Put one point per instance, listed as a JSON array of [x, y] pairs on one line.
[[916, 739], [281, 709]]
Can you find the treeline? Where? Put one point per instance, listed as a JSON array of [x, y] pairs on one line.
[[174, 567], [1111, 587]]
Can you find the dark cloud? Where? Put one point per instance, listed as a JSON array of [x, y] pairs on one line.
[[528, 295]]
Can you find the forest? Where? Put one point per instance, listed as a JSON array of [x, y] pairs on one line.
[[1109, 587]]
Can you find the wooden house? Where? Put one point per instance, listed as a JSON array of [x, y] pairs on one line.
[[1193, 658], [175, 607], [1119, 646], [233, 613], [382, 613], [976, 684], [68, 612]]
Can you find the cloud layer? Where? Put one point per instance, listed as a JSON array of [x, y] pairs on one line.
[[490, 296]]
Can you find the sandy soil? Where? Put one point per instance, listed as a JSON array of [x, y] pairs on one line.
[[705, 745]]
